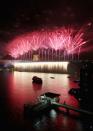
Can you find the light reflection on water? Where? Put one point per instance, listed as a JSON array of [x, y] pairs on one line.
[[21, 91], [23, 86]]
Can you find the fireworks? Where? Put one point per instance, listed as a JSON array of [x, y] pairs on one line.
[[51, 44]]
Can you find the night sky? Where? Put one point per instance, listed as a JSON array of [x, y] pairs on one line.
[[18, 17]]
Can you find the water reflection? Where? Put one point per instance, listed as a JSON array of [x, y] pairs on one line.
[[20, 90], [53, 114]]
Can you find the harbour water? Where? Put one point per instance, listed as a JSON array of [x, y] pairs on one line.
[[17, 89]]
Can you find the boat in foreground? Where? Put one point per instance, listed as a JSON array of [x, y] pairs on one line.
[[44, 103]]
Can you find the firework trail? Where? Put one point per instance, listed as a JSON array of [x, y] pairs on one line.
[[55, 42]]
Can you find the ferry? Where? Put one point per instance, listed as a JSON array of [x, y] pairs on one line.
[[44, 103]]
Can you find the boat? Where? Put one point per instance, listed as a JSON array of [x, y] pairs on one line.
[[45, 102], [37, 80], [69, 76], [77, 81], [52, 77]]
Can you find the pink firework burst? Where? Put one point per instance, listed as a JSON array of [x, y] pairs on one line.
[[67, 40], [18, 46]]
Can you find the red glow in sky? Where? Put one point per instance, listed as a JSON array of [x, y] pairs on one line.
[[67, 39]]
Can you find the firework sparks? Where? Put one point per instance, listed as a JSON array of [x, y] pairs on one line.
[[66, 41]]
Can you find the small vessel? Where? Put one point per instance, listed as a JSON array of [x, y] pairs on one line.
[[69, 76], [37, 80], [52, 77], [76, 81], [44, 103]]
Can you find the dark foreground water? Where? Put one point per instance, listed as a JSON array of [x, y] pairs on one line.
[[16, 89]]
